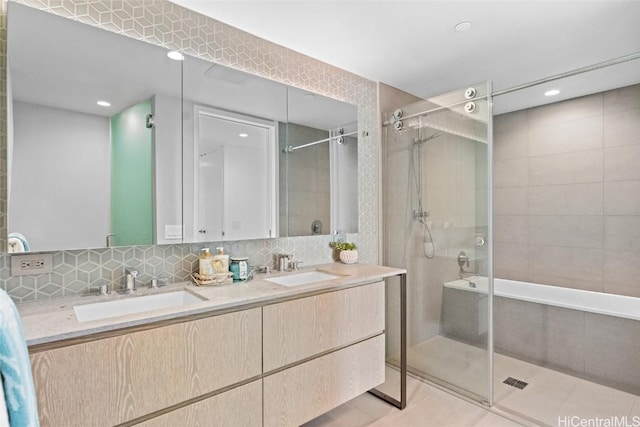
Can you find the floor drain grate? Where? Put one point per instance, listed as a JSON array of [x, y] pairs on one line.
[[515, 383]]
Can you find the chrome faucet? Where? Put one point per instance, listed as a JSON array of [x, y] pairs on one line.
[[462, 260], [284, 262], [158, 283], [130, 281], [102, 289]]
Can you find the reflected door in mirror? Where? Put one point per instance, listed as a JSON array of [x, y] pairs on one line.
[[235, 177]]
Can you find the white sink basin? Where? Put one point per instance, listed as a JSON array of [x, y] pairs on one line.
[[302, 278], [121, 307]]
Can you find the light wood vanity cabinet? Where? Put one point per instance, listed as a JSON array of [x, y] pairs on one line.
[[301, 328], [303, 392], [238, 407], [281, 364], [113, 380], [347, 326]]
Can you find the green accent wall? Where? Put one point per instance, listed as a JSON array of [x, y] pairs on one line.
[[131, 177]]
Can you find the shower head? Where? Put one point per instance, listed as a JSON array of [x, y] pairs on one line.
[[429, 138]]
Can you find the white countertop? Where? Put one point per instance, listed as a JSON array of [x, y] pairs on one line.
[[55, 320]]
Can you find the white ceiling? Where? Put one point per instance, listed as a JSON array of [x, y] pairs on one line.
[[412, 45]]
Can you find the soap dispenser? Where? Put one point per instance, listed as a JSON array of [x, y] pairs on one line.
[[205, 267], [221, 261]]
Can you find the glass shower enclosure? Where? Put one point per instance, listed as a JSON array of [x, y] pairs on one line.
[[437, 223]]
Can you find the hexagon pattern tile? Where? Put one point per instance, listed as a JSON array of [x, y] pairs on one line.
[[165, 24]]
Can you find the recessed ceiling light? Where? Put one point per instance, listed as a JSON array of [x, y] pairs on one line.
[[462, 26], [104, 103], [552, 92], [243, 135], [175, 55]]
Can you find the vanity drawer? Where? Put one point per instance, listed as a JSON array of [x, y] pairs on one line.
[[113, 380], [301, 393], [301, 328], [240, 407]]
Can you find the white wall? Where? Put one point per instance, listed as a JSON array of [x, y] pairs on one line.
[[167, 172], [188, 170], [344, 185], [9, 131], [60, 181], [247, 203]]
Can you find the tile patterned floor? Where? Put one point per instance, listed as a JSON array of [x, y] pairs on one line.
[[426, 406], [550, 399]]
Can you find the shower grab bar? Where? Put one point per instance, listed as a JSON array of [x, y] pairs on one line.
[[290, 148]]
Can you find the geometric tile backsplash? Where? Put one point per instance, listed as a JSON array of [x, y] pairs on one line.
[[165, 24]]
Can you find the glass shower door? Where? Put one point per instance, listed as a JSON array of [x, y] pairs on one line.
[[437, 226]]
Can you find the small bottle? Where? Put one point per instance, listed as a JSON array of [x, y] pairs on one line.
[[205, 267], [221, 261]]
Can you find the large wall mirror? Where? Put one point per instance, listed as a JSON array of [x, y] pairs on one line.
[[82, 155], [186, 151], [319, 166]]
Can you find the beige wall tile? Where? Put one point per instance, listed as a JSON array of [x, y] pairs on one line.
[[566, 263], [510, 145], [631, 289], [302, 178], [565, 137], [570, 231], [622, 233], [323, 181], [621, 267], [511, 261], [622, 128], [582, 189], [441, 202], [622, 99], [322, 155], [511, 173], [511, 229], [622, 163], [510, 201], [482, 207], [510, 122], [622, 198], [564, 340], [322, 204], [566, 168], [302, 203], [565, 111], [571, 199], [542, 278]]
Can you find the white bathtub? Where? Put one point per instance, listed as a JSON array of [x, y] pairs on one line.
[[594, 302]]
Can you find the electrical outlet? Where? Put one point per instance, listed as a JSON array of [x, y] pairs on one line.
[[23, 265]]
